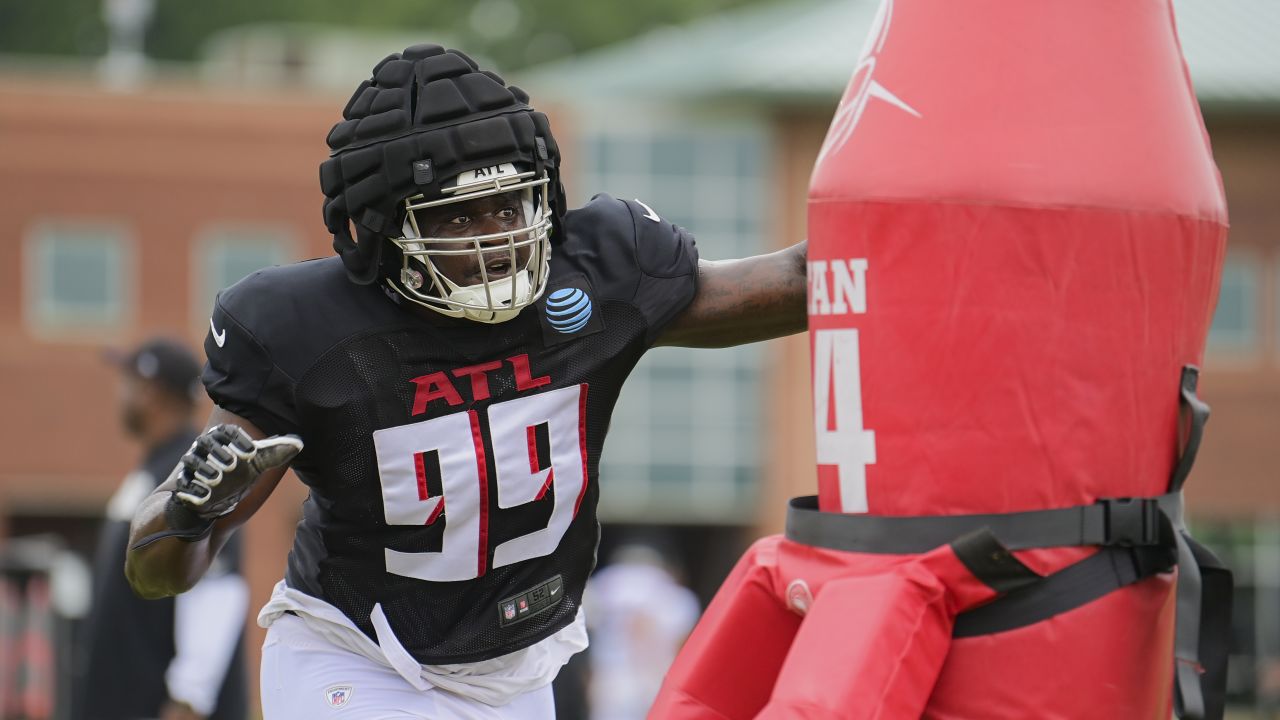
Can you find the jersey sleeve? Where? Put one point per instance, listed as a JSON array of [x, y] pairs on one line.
[[240, 374], [667, 258]]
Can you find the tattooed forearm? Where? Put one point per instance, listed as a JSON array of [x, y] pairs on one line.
[[743, 301]]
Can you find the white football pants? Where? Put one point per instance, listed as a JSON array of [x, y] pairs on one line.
[[305, 677]]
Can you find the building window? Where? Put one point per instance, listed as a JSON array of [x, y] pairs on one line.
[[226, 254], [684, 444], [1275, 308], [1235, 322], [76, 276]]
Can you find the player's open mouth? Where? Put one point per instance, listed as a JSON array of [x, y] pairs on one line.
[[495, 268]]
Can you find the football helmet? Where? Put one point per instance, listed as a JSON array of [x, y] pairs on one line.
[[518, 258], [431, 132]]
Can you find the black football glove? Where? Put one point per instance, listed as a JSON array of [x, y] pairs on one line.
[[217, 471]]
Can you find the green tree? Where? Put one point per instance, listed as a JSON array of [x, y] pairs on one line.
[[514, 33], [52, 27]]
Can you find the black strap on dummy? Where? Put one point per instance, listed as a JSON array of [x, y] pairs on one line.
[[1121, 522], [1205, 587], [1137, 537]]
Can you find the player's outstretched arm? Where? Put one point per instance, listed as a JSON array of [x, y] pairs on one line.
[[225, 477], [744, 301]]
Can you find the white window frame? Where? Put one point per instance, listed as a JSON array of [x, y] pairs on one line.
[[215, 238], [1273, 323], [721, 451], [1231, 353], [42, 312]]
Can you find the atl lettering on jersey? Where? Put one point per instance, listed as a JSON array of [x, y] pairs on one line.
[[439, 386]]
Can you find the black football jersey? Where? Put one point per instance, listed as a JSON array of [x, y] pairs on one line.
[[452, 465]]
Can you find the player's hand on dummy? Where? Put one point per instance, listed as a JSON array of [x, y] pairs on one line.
[[217, 471]]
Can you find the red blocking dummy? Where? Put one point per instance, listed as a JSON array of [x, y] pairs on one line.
[[1015, 236], [1024, 198]]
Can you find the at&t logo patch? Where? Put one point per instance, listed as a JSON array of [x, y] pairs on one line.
[[568, 310]]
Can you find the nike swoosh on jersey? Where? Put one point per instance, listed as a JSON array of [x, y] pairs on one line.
[[650, 214], [218, 337]]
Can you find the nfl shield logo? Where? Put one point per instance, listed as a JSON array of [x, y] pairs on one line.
[[338, 695], [509, 610]]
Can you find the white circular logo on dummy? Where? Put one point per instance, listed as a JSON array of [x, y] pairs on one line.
[[799, 597], [568, 310]]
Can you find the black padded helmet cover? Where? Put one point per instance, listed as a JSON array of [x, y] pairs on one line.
[[426, 115]]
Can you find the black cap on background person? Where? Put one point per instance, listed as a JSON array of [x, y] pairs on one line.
[[161, 383]]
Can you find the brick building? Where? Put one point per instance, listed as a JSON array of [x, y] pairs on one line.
[[124, 214]]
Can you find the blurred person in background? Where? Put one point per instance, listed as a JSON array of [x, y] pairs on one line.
[[638, 615], [173, 659]]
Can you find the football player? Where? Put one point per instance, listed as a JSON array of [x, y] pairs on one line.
[[443, 387]]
